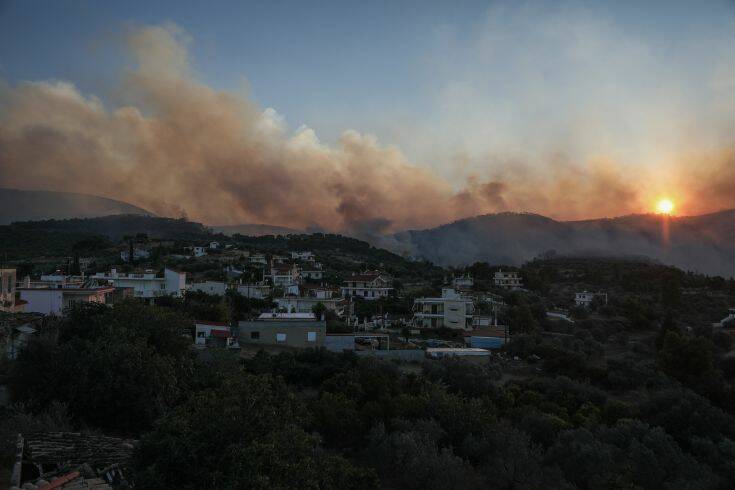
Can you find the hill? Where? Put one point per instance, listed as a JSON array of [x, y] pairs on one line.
[[704, 243], [56, 237], [255, 230], [17, 205]]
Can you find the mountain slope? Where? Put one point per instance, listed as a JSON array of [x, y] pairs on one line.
[[255, 230], [704, 243], [17, 205]]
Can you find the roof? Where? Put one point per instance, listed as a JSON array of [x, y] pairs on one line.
[[214, 324], [76, 448], [222, 334], [287, 316], [486, 332], [452, 350], [363, 277], [72, 460], [318, 287], [72, 290]]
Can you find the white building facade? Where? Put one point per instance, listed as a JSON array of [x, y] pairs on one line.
[[54, 300], [585, 298], [209, 287], [369, 286], [452, 310], [507, 280], [147, 285]]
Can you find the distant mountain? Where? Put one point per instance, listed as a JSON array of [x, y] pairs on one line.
[[703, 243], [255, 230], [17, 205], [118, 226], [55, 238]]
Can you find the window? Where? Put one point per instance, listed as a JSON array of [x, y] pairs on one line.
[[255, 335], [280, 337], [202, 335], [311, 336]]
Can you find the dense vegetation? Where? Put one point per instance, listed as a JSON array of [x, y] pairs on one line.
[[638, 391], [659, 415]]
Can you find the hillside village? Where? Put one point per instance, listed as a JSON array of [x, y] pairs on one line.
[[613, 333]]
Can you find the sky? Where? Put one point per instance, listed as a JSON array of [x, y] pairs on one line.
[[569, 109]]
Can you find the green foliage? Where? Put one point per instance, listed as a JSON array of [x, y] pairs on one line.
[[626, 455], [18, 419], [116, 368], [243, 434]]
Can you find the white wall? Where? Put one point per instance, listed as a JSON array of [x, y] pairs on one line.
[[209, 287], [175, 281], [46, 301]]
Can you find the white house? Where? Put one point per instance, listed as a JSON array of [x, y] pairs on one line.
[[312, 271], [585, 298], [147, 285], [463, 283], [369, 285], [306, 255], [217, 333], [258, 259], [305, 304], [59, 279], [507, 280], [209, 287], [50, 300], [314, 291], [85, 263], [258, 290], [214, 245], [283, 275], [727, 320], [452, 310], [198, 251], [138, 253]]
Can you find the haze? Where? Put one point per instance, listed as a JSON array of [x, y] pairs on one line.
[[381, 117]]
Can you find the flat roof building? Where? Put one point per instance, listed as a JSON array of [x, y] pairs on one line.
[[507, 280], [147, 284], [296, 330], [51, 300], [451, 310]]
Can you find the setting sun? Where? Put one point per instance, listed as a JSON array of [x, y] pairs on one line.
[[665, 206]]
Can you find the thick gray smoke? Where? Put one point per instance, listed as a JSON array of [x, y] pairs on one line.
[[181, 147]]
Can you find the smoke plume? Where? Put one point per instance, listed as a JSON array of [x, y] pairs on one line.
[[180, 147]]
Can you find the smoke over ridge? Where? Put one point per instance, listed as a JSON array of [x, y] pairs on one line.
[[181, 147]]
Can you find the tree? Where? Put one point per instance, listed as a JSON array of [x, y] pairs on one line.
[[406, 333], [521, 319], [245, 433], [115, 368], [318, 309], [630, 454], [688, 359]]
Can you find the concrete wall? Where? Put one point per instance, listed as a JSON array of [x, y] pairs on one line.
[[175, 281], [403, 355], [339, 343], [209, 287], [283, 333], [46, 301], [305, 304]]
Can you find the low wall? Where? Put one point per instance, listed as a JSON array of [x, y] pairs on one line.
[[404, 355]]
